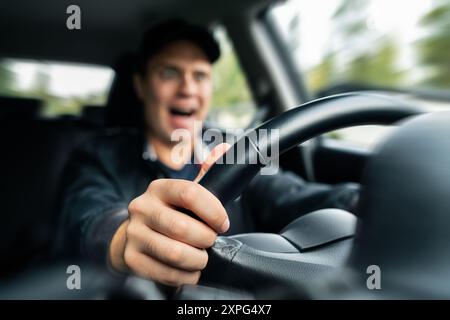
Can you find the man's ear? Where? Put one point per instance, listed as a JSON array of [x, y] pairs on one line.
[[138, 86]]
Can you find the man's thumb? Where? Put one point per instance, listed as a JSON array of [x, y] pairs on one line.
[[215, 154]]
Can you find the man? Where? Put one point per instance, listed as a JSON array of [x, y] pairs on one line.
[[125, 193]]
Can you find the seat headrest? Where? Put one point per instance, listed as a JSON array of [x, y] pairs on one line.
[[123, 108], [93, 115], [12, 108]]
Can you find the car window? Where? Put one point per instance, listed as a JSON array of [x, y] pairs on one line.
[[63, 88], [67, 88], [346, 45], [232, 105]]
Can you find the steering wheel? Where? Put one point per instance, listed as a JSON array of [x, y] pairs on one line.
[[313, 243]]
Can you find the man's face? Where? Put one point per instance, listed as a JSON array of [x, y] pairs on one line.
[[176, 89]]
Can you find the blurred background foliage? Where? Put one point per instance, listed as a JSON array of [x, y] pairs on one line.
[[434, 48], [378, 62]]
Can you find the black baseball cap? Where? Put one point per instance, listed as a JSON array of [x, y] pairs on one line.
[[162, 34]]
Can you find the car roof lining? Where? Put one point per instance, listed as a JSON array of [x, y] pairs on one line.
[[37, 30]]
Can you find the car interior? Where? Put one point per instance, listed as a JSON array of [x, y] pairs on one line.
[[310, 256]]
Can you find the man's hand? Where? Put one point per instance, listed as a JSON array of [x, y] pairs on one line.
[[162, 243]]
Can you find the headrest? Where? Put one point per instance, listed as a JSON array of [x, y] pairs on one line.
[[19, 108], [123, 108], [93, 115]]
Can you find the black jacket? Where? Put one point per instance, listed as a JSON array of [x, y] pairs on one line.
[[110, 170]]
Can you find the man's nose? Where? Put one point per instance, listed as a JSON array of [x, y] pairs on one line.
[[188, 86]]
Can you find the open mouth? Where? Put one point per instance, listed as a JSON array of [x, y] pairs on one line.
[[181, 112]]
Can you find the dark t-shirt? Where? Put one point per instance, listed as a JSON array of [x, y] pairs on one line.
[[188, 172]]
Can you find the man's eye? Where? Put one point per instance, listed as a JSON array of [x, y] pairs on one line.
[[168, 73], [200, 76]]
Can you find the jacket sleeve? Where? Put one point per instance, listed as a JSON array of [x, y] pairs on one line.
[[275, 200], [92, 206]]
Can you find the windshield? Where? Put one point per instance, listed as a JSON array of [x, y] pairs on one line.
[[400, 46], [366, 42]]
